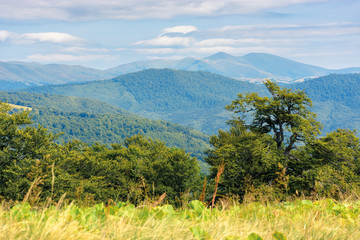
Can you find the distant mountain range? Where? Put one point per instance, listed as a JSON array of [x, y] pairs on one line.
[[252, 67]]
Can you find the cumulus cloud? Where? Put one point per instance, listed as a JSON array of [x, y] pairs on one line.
[[140, 9]]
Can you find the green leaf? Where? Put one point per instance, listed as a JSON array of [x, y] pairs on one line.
[[279, 236], [254, 236]]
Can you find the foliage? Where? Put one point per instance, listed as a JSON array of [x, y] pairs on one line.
[[329, 165], [34, 166], [20, 149], [285, 114], [274, 149], [248, 156], [92, 121]]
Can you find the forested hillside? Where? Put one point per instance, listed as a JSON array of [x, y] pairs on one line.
[[194, 99], [197, 99], [336, 99], [92, 121]]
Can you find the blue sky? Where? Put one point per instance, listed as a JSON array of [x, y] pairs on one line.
[[106, 33]]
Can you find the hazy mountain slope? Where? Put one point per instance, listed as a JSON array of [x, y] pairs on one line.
[[236, 67], [10, 85], [336, 99], [283, 68], [38, 74], [93, 121], [189, 64], [195, 99], [251, 67], [347, 70]]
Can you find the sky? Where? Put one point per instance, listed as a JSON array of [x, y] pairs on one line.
[[106, 33]]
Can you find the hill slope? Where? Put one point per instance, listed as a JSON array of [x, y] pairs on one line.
[[336, 99]]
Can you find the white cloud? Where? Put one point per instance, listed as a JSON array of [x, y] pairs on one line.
[[228, 41], [179, 29], [5, 35], [30, 38], [288, 31], [157, 50], [140, 9], [53, 37], [166, 41], [281, 39], [83, 49]]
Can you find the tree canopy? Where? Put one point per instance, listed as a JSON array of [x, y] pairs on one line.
[[135, 170], [286, 114], [273, 141]]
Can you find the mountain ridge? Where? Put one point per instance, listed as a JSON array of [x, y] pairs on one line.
[[253, 67]]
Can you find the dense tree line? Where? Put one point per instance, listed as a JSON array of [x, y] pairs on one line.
[[92, 121], [30, 159]]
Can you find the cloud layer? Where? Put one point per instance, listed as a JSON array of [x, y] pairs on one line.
[[241, 39], [130, 10], [288, 40], [30, 38]]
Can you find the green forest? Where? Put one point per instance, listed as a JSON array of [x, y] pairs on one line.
[[274, 148], [197, 99], [194, 99], [93, 121]]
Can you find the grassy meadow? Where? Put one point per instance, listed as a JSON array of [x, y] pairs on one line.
[[299, 219]]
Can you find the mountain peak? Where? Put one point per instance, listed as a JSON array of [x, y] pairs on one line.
[[261, 55], [220, 56]]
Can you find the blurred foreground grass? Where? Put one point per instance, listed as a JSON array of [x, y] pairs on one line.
[[300, 219]]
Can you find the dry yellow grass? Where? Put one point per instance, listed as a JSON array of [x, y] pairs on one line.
[[298, 220], [20, 107]]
